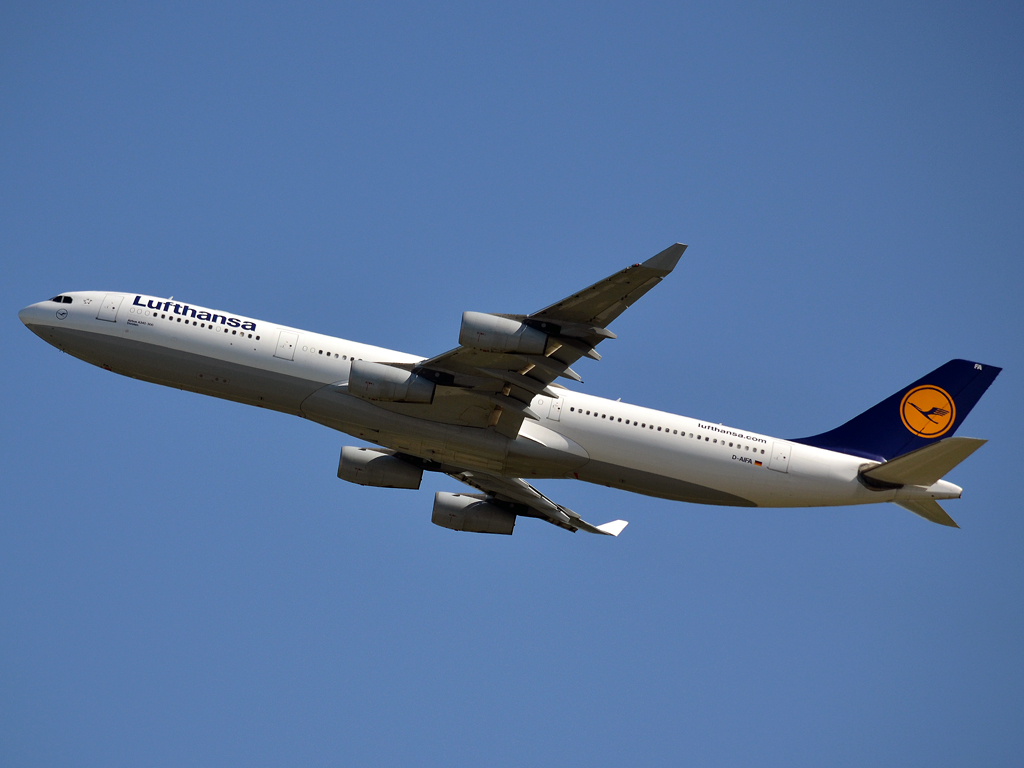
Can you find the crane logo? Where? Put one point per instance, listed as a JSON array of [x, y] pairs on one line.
[[928, 411]]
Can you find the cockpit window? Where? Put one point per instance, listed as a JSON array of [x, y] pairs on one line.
[[58, 299], [67, 299]]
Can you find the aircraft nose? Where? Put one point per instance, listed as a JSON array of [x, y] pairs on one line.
[[34, 314]]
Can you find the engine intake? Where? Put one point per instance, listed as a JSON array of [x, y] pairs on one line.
[[491, 333], [465, 512], [365, 466], [375, 381]]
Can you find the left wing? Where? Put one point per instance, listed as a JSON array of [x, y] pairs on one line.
[[519, 493]]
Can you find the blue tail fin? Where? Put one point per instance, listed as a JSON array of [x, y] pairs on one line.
[[931, 408]]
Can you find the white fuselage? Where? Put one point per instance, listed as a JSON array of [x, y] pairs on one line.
[[590, 438]]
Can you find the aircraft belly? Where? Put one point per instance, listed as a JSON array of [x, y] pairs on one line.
[[656, 484], [465, 446], [182, 369], [547, 454]]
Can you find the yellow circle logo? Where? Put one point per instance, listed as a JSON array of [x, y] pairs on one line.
[[928, 411]]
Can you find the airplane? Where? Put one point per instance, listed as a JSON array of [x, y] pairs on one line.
[[491, 414]]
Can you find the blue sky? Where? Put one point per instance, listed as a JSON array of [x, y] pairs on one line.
[[185, 581]]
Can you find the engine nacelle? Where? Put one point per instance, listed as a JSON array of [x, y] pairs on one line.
[[491, 333], [463, 512], [365, 466], [375, 381]]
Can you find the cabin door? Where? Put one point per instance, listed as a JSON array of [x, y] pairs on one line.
[[286, 345], [780, 456], [108, 309], [555, 414]]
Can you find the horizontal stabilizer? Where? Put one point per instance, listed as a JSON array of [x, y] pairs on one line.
[[927, 465], [930, 510]]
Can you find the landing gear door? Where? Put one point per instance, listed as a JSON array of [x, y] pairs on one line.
[[555, 414], [108, 309], [286, 345], [780, 456]]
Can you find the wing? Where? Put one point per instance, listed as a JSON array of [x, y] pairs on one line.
[[505, 361], [529, 502]]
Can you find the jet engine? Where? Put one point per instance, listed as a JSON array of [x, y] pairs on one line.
[[466, 512], [366, 466], [375, 381], [491, 333]]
